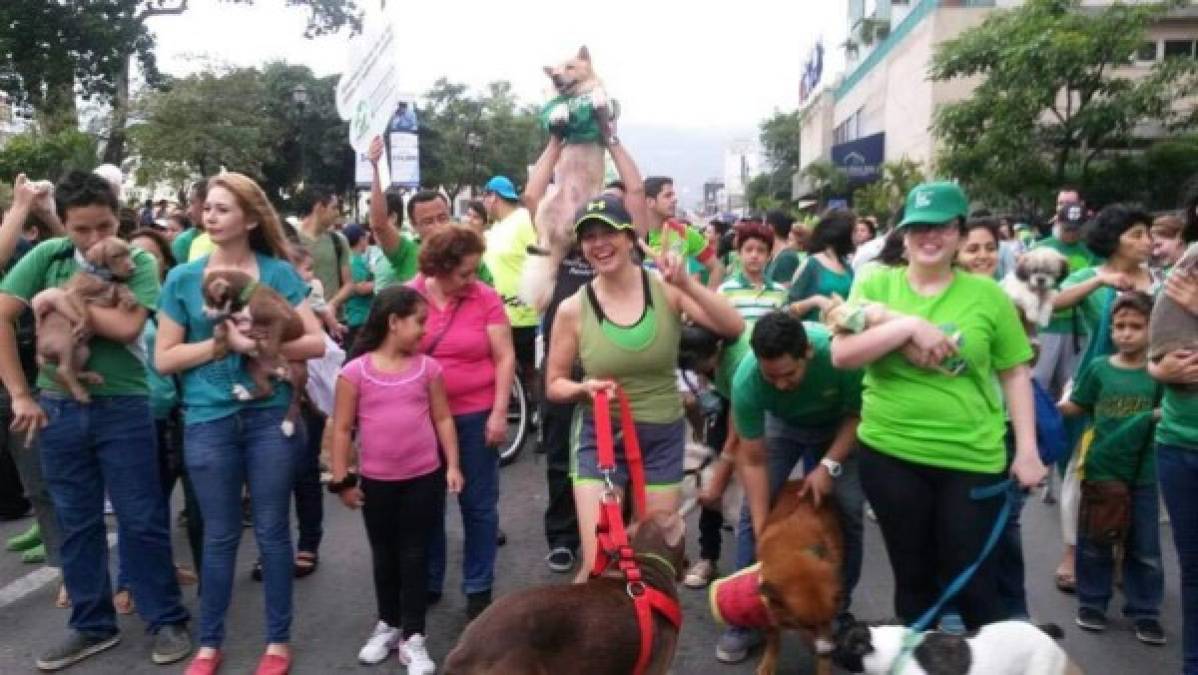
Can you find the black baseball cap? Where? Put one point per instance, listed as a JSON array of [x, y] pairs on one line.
[[1071, 215], [606, 209]]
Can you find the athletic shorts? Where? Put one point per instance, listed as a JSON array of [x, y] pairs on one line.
[[662, 447]]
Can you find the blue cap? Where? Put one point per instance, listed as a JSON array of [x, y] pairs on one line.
[[502, 186], [353, 233]]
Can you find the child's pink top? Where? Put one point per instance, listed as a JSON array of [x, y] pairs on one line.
[[395, 424]]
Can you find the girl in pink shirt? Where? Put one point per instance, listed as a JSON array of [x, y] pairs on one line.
[[395, 397]]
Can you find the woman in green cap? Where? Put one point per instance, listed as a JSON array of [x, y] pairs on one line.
[[933, 341], [625, 327]]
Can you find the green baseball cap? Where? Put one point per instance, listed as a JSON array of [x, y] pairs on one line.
[[935, 204]]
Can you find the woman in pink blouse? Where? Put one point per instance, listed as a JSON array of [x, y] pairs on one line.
[[467, 332]]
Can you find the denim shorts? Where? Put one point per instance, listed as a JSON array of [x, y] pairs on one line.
[[662, 448]]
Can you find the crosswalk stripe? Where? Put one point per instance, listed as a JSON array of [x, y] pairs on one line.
[[35, 580]]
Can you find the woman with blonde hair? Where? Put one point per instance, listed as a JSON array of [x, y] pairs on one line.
[[227, 442]]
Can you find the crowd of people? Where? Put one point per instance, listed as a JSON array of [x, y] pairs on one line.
[[881, 360]]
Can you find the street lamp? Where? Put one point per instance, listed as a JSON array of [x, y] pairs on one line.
[[475, 143], [299, 96]]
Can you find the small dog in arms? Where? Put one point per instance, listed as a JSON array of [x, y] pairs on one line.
[[1033, 284]]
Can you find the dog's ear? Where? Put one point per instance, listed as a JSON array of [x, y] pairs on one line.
[[858, 640], [1021, 270], [218, 287], [1062, 270], [548, 71], [96, 254], [584, 54]]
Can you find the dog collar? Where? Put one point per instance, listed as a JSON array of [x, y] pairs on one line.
[[247, 292], [95, 270], [665, 563]]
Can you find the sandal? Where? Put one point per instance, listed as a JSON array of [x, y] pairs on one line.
[[306, 563], [123, 601], [62, 600]]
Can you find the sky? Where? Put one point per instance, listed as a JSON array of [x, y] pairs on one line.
[[672, 64]]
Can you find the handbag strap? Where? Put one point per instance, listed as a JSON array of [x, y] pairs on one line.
[[432, 346]]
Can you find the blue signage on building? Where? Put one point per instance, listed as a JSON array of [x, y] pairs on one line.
[[861, 160]]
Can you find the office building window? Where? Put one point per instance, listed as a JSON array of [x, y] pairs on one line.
[[1146, 53], [1179, 49]]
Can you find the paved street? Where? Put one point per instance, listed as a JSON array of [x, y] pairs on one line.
[[334, 607]]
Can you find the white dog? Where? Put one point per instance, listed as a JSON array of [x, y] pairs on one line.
[[1002, 648], [1033, 283], [698, 465]]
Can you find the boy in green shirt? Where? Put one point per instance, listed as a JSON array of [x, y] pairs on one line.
[[1120, 396], [357, 305], [104, 446]]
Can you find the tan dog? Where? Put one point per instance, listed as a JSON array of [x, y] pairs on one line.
[[63, 326], [801, 551], [269, 321], [577, 177], [580, 629]]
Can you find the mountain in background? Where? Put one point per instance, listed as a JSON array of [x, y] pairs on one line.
[[690, 156]]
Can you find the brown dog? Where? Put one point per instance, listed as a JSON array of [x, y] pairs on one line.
[[801, 551], [63, 326], [266, 318], [580, 629]]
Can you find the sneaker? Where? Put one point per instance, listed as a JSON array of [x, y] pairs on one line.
[[1149, 632], [35, 555], [1091, 619], [379, 646], [26, 540], [74, 649], [951, 623], [413, 654], [172, 642], [477, 603], [735, 643], [560, 560], [700, 574]]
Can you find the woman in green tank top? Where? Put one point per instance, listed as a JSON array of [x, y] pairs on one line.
[[624, 326]]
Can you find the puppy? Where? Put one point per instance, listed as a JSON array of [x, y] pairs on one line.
[[1173, 328], [1033, 284], [699, 465], [63, 326], [801, 551], [581, 629], [269, 321], [577, 176], [1003, 648]]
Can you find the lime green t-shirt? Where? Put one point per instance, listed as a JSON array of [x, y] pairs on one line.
[[507, 251], [1116, 399], [1080, 257], [825, 397], [930, 417], [200, 246], [685, 242], [123, 366], [357, 307], [181, 245]]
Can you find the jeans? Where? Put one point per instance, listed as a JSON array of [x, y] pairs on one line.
[[309, 495], [786, 446], [222, 455], [1177, 468], [479, 504], [933, 529], [87, 449], [1143, 576], [561, 519], [398, 515]]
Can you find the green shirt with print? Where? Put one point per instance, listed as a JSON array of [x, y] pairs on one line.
[[930, 417], [824, 397], [688, 244], [1117, 400], [357, 307], [123, 366], [1080, 257]]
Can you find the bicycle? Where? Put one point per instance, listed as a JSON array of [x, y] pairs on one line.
[[519, 424]]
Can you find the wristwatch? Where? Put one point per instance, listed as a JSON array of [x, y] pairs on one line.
[[339, 486], [834, 467]]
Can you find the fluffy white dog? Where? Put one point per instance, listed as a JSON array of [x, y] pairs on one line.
[[1033, 283]]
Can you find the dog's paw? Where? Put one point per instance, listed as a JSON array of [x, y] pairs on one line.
[[559, 115], [288, 428], [241, 393]]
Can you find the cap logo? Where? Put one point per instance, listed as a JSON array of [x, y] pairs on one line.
[[597, 205], [1074, 212], [923, 199]]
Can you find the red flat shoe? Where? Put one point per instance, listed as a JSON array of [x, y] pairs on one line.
[[273, 664], [204, 665]]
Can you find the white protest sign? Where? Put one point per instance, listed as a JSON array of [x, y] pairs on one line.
[[368, 91]]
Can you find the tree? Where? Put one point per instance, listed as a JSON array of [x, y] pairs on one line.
[[1052, 99], [779, 138], [46, 156], [46, 48], [883, 197], [827, 179]]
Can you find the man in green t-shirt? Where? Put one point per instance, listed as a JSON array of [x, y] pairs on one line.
[[665, 230], [785, 259], [105, 446], [789, 404], [1063, 341], [318, 209]]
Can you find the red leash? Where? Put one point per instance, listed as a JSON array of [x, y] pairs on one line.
[[612, 537]]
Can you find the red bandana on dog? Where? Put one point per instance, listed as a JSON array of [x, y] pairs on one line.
[[736, 600]]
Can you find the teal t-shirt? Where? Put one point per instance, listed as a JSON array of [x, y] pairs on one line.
[[825, 396], [1117, 400], [781, 269], [357, 307], [815, 279], [208, 388], [164, 394], [1080, 257], [928, 416], [1091, 308]]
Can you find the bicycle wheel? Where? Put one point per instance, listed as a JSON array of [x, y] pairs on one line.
[[518, 421]]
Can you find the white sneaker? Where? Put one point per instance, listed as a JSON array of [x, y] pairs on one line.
[[413, 655], [379, 646], [700, 574]]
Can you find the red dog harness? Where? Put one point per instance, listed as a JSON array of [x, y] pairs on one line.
[[613, 538]]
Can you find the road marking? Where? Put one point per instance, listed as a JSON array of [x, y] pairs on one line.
[[35, 580]]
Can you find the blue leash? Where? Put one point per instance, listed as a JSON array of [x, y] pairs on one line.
[[914, 635]]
